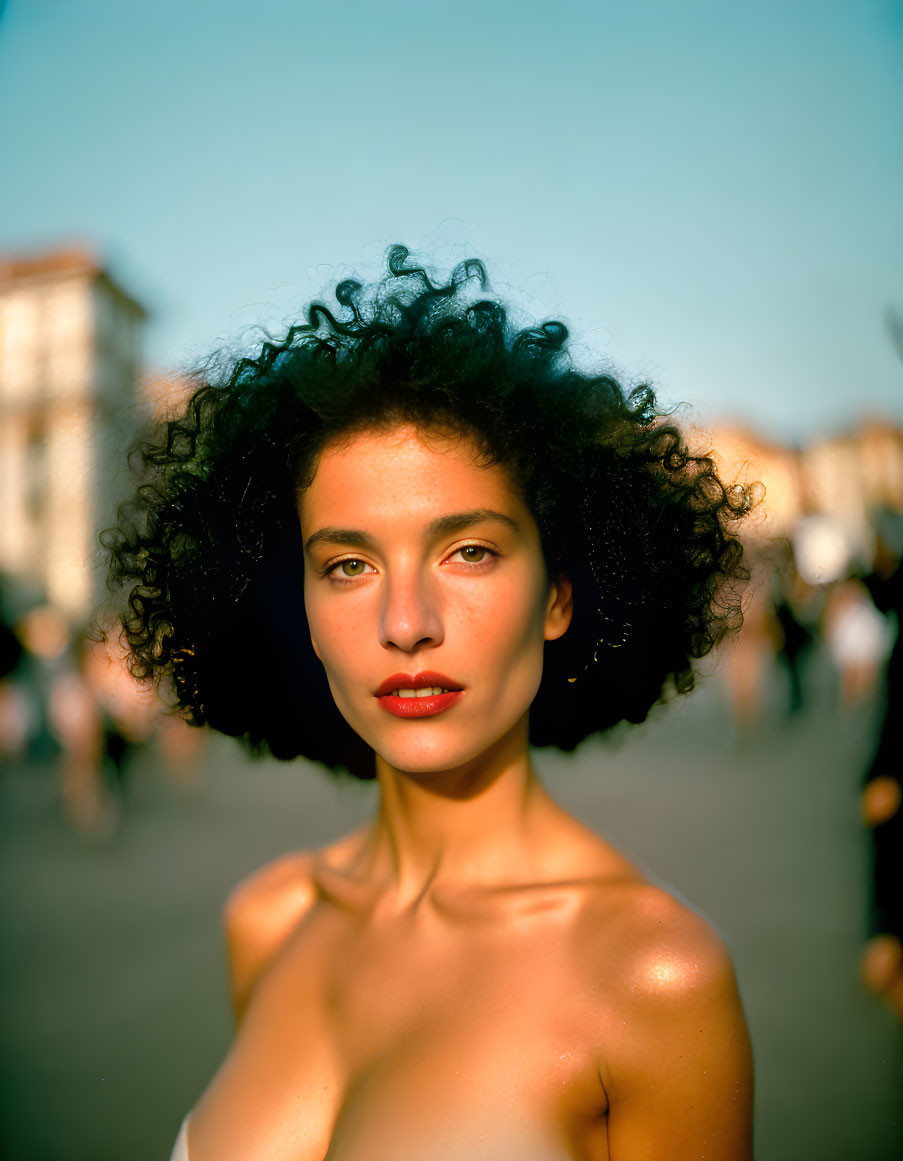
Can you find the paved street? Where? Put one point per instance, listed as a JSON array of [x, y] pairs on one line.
[[114, 1010]]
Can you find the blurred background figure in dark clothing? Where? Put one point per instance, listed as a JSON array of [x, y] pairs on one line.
[[796, 608], [13, 710], [882, 961]]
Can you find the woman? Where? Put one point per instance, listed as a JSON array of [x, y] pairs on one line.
[[493, 550]]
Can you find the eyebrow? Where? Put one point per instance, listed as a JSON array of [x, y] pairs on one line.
[[442, 525]]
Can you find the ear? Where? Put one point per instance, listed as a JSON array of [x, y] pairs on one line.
[[560, 607]]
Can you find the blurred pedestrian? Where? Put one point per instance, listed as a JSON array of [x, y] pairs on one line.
[[882, 961]]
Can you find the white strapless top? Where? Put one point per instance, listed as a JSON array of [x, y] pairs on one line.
[[180, 1149]]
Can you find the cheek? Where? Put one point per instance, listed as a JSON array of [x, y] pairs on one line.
[[332, 636], [509, 631], [337, 644]]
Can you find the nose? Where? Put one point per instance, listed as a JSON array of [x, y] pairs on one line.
[[410, 616]]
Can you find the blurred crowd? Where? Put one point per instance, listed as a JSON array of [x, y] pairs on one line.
[[815, 598], [68, 700]]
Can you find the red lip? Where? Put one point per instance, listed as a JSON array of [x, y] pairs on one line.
[[419, 707], [418, 681]]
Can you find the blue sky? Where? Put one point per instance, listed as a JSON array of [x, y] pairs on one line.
[[710, 192]]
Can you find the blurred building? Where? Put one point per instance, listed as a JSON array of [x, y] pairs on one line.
[[743, 457], [70, 353], [846, 479], [850, 478], [165, 396]]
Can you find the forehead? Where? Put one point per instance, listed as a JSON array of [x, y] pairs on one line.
[[403, 471]]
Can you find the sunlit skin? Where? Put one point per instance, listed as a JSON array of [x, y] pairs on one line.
[[474, 974]]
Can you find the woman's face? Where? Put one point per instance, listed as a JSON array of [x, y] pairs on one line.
[[424, 572]]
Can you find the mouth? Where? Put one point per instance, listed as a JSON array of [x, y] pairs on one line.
[[418, 696], [425, 684]]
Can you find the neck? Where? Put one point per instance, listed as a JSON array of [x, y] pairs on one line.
[[475, 825]]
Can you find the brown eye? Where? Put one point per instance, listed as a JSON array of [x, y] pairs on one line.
[[474, 553], [347, 569]]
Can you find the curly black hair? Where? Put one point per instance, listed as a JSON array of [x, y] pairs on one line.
[[209, 549]]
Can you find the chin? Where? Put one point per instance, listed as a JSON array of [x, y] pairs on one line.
[[440, 756], [425, 763]]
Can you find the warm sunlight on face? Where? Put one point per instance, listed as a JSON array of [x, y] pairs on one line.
[[427, 596]]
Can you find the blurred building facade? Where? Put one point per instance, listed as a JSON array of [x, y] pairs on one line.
[[70, 358], [846, 479]]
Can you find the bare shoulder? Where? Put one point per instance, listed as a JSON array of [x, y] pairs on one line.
[[673, 1026], [664, 949], [276, 888], [265, 907], [639, 933], [632, 931], [259, 914]]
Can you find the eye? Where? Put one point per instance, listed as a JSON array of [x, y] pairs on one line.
[[347, 569], [473, 553]]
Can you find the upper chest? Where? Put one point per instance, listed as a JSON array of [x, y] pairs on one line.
[[480, 1028]]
